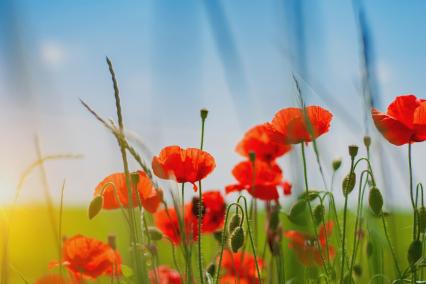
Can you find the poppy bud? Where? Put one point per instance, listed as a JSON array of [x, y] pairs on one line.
[[237, 239], [234, 222], [155, 234], [358, 270], [112, 241], [197, 207], [375, 200], [297, 212], [204, 112], [95, 206], [414, 252], [336, 164], [319, 212], [211, 269], [353, 151], [348, 183], [274, 220], [252, 156], [367, 141], [218, 236], [422, 219], [370, 249]]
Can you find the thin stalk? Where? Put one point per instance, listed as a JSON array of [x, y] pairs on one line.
[[410, 169], [305, 174], [61, 207], [391, 247], [345, 210]]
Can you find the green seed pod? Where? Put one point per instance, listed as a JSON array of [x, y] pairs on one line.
[[319, 212], [211, 269], [218, 236], [353, 151], [358, 270], [237, 239], [375, 200], [155, 234], [422, 219], [336, 164], [367, 141], [297, 212], [370, 249], [234, 222], [348, 183], [95, 206], [204, 112], [274, 220], [414, 252]]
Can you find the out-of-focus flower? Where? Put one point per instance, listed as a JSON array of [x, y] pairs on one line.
[[292, 126], [164, 275], [404, 122], [87, 258], [258, 141], [115, 186], [306, 247], [167, 221], [239, 265], [261, 182], [183, 165], [213, 214]]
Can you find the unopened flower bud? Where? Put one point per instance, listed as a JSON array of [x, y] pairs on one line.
[[237, 239], [211, 269], [95, 206], [358, 270], [414, 252], [112, 241], [375, 200], [218, 236], [353, 151], [297, 212], [367, 141], [422, 219], [252, 156], [155, 234], [198, 207], [234, 222], [204, 112], [274, 219], [319, 212], [348, 183], [336, 164]]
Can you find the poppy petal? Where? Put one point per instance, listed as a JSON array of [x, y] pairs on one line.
[[393, 130]]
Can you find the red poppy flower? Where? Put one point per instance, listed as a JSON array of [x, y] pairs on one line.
[[149, 196], [167, 221], [258, 140], [165, 275], [53, 279], [88, 258], [213, 214], [239, 265], [306, 247], [289, 125], [183, 165], [264, 183], [404, 122]]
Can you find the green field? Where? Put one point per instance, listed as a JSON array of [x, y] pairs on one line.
[[32, 244]]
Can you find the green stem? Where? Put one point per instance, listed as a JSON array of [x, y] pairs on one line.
[[410, 168], [305, 174], [342, 269]]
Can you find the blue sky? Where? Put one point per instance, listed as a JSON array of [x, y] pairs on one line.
[[173, 58]]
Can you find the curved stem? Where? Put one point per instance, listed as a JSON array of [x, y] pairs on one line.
[[224, 236]]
